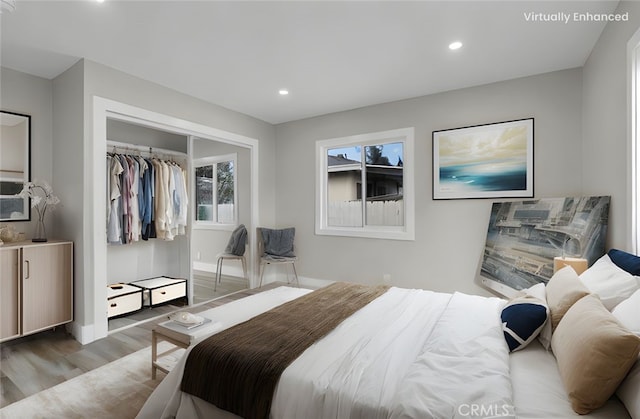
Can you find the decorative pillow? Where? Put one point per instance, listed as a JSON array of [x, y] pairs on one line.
[[612, 284], [524, 316], [237, 241], [626, 261], [594, 353], [563, 290], [628, 313]]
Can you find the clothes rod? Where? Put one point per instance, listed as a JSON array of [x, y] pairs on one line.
[[146, 149]]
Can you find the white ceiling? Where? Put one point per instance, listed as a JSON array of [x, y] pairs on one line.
[[332, 56]]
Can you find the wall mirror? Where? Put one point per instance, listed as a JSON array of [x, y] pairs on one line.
[[15, 170]]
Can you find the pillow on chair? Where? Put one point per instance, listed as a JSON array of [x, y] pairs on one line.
[[278, 242], [238, 241]]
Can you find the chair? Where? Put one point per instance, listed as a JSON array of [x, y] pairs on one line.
[[275, 247], [234, 251]]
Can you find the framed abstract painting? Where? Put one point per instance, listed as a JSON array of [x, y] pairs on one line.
[[484, 161]]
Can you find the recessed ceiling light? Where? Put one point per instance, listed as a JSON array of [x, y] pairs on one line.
[[455, 45], [283, 92]]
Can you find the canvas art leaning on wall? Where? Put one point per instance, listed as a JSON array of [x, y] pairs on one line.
[[524, 237]]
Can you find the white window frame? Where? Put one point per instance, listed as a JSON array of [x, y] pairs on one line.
[[633, 57], [405, 232], [208, 161]]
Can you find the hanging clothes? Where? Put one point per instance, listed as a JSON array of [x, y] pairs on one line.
[[147, 199], [124, 189], [114, 221]]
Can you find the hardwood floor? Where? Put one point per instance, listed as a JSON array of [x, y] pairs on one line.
[[34, 363]]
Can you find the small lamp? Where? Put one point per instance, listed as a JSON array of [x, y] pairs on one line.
[[578, 264]]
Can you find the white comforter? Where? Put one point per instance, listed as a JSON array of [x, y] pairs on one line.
[[408, 354]]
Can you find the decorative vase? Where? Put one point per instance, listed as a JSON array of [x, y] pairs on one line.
[[40, 235]]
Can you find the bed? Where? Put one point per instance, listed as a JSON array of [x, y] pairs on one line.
[[406, 354]]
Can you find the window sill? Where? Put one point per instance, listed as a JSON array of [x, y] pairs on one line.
[[388, 233], [212, 226]]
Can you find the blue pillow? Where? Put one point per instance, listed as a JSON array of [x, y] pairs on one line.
[[522, 320], [625, 261]]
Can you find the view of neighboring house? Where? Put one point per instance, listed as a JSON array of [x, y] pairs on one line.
[[383, 185]]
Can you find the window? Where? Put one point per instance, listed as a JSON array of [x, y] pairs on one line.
[[215, 184], [376, 166]]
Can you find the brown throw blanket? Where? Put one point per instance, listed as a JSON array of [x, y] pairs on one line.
[[238, 369]]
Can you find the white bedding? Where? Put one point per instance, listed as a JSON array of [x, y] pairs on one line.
[[538, 392], [409, 353]]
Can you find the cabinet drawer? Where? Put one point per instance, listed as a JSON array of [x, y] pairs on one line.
[[167, 293]]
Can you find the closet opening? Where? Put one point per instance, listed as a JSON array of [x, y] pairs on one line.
[[147, 222], [185, 255]]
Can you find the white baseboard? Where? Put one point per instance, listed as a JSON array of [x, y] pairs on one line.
[[305, 282], [313, 283], [229, 268]]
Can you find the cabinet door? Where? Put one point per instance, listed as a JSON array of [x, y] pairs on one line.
[[46, 286], [9, 293]]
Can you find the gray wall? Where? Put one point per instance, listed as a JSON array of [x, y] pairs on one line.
[[69, 176], [450, 235], [606, 158], [31, 95], [73, 134], [125, 132]]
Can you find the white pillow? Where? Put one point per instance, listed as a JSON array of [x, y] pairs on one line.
[[612, 284], [537, 291], [628, 313], [629, 391]]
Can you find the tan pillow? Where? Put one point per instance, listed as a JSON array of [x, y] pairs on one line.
[[563, 290], [594, 353]]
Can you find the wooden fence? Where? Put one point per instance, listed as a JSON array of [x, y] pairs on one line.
[[381, 213]]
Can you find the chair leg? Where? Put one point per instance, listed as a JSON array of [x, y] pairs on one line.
[[244, 268], [295, 274], [218, 274], [262, 268]]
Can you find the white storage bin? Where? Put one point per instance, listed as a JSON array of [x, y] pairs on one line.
[[161, 289], [123, 299]]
